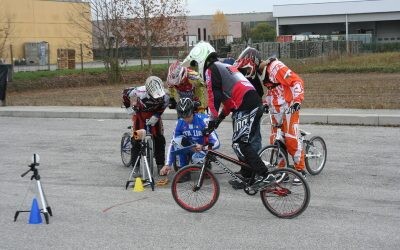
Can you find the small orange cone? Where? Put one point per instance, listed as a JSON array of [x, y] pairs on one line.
[[138, 185]]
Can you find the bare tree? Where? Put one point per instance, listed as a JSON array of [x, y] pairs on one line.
[[5, 33], [156, 23], [107, 19]]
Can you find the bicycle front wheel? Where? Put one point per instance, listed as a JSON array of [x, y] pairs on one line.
[[126, 146], [188, 195], [316, 154], [283, 198], [274, 157]]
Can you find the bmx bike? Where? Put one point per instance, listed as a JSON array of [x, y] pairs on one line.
[[201, 191], [275, 155]]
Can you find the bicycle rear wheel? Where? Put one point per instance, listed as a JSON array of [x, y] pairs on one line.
[[272, 159], [188, 196], [126, 146], [282, 198], [316, 154]]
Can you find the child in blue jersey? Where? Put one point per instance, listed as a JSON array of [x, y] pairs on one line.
[[188, 132]]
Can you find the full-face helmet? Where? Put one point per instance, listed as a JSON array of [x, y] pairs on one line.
[[176, 74], [154, 87], [200, 53], [248, 62]]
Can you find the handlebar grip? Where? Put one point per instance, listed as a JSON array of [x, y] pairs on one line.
[[22, 175]]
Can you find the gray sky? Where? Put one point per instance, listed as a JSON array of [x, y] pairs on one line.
[[209, 7]]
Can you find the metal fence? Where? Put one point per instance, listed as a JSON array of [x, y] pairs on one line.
[[301, 49]]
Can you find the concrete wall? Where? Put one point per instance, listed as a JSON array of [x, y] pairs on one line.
[[194, 24], [50, 21]]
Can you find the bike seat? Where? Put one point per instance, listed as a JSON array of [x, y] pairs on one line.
[[304, 133]]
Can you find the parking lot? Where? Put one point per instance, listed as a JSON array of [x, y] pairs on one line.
[[355, 201]]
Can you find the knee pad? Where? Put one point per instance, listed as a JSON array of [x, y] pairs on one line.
[[238, 152]]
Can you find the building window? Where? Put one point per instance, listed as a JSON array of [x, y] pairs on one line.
[[204, 34], [199, 34]]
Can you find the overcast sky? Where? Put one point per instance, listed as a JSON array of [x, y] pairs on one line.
[[209, 7]]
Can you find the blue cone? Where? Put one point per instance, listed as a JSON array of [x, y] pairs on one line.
[[35, 217]]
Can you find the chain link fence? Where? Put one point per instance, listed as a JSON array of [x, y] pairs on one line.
[[303, 49]]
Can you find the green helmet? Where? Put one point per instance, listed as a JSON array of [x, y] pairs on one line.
[[199, 54]]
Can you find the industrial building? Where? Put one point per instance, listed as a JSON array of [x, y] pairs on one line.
[[45, 31], [367, 20]]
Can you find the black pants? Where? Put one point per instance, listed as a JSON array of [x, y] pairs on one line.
[[159, 149], [245, 123]]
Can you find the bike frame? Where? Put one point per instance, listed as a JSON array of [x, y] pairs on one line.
[[211, 156]]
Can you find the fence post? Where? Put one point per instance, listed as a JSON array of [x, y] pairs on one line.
[[81, 56]]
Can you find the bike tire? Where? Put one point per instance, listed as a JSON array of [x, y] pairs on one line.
[[316, 154], [284, 199], [126, 146], [185, 194], [268, 155]]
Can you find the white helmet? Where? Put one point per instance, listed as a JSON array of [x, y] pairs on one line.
[[154, 87], [199, 53]]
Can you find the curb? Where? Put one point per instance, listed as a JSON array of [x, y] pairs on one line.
[[308, 116]]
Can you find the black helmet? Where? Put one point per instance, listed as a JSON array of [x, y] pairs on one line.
[[185, 107]]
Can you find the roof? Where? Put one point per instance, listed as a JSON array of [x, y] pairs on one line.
[[336, 8]]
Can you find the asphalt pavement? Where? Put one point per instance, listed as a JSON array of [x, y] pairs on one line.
[[372, 117], [354, 201]]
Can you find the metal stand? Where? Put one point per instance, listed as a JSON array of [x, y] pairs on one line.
[[46, 210], [136, 167]]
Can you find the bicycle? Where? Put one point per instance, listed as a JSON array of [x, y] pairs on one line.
[[126, 147], [201, 191], [144, 165], [275, 155]]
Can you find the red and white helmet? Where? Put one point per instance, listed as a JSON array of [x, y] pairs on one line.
[[248, 62], [176, 74]]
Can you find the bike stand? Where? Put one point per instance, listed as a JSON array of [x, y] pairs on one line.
[[46, 210], [132, 177]]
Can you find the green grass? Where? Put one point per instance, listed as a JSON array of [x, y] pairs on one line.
[[388, 62], [37, 75]]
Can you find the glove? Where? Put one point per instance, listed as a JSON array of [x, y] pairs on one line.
[[212, 125], [295, 107], [266, 108], [172, 103], [131, 111], [152, 121]]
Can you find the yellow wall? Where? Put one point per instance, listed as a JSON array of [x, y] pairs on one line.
[[64, 25]]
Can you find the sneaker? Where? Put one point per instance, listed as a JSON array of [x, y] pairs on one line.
[[297, 181], [262, 181], [236, 184], [282, 178], [185, 178]]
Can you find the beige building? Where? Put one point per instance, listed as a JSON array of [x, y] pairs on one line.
[[43, 28]]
